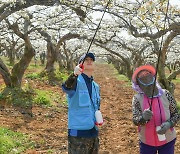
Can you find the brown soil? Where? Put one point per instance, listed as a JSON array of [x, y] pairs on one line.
[[48, 126]]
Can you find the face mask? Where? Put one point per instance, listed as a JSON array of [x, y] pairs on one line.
[[146, 81], [146, 84]]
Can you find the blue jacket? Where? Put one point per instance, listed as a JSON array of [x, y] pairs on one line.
[[82, 107]]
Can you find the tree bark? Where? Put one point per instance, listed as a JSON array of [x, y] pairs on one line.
[[161, 67], [173, 75], [20, 67], [51, 57], [5, 74]]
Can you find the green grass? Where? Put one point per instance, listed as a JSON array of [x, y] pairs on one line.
[[1, 96], [32, 76], [42, 97], [38, 66], [176, 80], [13, 142], [17, 97], [178, 106], [63, 75], [47, 98], [60, 76], [121, 76], [125, 79], [27, 97]]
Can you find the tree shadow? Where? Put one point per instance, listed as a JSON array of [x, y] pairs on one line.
[[18, 100]]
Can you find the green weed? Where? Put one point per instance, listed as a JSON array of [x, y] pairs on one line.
[[178, 107], [33, 76], [17, 97], [177, 80], [122, 77], [13, 142], [47, 98], [50, 151], [42, 98], [26, 98], [1, 96], [61, 75]]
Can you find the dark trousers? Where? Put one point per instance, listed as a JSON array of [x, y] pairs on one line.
[[167, 148], [81, 145]]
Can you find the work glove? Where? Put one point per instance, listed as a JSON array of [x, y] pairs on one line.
[[147, 114], [78, 70], [164, 127]]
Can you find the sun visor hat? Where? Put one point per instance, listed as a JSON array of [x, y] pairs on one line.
[[90, 54], [148, 68]]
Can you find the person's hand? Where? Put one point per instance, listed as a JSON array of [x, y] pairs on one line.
[[78, 70], [99, 124], [147, 114], [164, 127]]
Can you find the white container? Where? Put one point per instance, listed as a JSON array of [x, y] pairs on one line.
[[161, 137], [98, 116]]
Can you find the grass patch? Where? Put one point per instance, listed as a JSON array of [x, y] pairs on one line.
[[42, 98], [176, 80], [121, 76], [178, 107], [125, 79], [44, 76], [13, 142], [33, 76], [33, 66], [47, 98], [63, 75], [1, 96], [17, 97], [26, 98]]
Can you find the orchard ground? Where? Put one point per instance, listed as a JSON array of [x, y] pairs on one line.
[[47, 127]]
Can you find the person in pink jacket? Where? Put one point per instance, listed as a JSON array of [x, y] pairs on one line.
[[154, 112]]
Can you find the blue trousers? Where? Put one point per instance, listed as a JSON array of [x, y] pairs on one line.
[[167, 148]]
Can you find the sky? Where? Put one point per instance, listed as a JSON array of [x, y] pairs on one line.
[[175, 2]]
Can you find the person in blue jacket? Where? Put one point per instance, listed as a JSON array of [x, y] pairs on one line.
[[83, 96]]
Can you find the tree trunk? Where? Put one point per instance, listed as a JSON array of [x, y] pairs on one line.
[[173, 75], [19, 68], [161, 68], [5, 74], [51, 58], [129, 72], [15, 78], [11, 57]]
